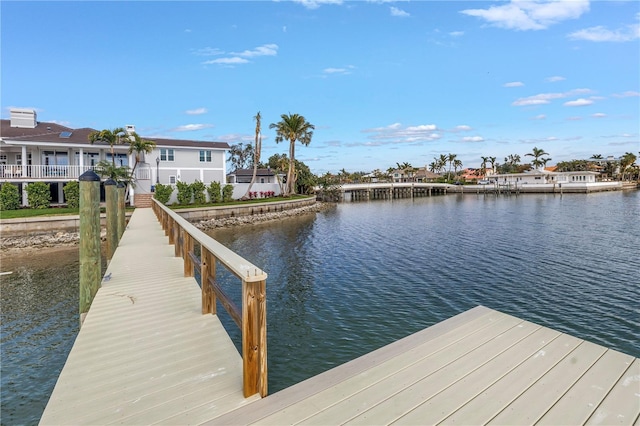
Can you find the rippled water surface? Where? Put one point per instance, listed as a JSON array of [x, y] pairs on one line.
[[352, 279], [345, 282]]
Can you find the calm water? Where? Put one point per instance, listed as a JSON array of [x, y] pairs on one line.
[[352, 279]]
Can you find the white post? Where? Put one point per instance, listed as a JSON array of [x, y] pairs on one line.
[[24, 161]]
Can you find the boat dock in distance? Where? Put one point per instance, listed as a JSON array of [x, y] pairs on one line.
[[151, 350], [397, 190]]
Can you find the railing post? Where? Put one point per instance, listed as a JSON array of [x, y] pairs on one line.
[[177, 230], [111, 198], [187, 248], [122, 219], [207, 270], [90, 264], [254, 338]]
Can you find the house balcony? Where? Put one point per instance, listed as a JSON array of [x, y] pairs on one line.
[[17, 172]]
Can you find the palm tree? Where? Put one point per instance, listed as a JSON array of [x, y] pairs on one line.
[[450, 159], [536, 154], [111, 171], [626, 161], [137, 146], [433, 166], [492, 160], [112, 137], [256, 152], [457, 164], [483, 166], [442, 162], [292, 128]]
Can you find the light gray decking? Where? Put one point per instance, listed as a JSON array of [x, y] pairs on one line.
[[145, 353], [479, 367]]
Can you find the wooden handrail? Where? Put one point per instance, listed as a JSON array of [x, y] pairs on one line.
[[252, 317]]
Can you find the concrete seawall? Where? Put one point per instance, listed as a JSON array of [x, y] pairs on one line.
[[34, 226]]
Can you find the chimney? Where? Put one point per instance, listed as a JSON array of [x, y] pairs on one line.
[[24, 118]]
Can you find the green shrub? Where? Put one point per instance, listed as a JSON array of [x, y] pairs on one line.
[[72, 194], [39, 195], [184, 193], [215, 192], [163, 193], [9, 197], [227, 193], [199, 196]]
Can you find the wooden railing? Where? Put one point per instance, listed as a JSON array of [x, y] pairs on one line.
[[251, 317]]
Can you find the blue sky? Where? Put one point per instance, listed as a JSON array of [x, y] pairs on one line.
[[383, 82]]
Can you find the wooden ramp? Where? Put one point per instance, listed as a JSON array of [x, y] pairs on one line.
[[479, 367], [145, 353]]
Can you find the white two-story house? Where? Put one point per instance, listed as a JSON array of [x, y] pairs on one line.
[[32, 151]]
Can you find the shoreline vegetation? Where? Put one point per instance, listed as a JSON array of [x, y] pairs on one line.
[[54, 239]]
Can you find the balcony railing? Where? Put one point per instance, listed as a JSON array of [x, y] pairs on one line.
[[17, 172]]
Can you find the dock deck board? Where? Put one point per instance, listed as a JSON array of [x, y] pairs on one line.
[[145, 352], [146, 355], [479, 367]]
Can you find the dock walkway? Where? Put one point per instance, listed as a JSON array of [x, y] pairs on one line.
[[145, 353], [479, 367]]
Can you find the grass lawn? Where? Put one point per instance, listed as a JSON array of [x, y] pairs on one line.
[[62, 211]]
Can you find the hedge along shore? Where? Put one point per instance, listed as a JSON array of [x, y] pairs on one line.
[[57, 238]]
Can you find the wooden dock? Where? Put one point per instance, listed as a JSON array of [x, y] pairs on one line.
[[480, 367], [146, 354]]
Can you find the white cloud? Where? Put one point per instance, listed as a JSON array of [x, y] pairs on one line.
[[192, 127], [456, 33], [546, 98], [314, 4], [398, 12], [264, 50], [397, 133], [208, 51], [602, 34], [578, 102], [462, 128], [530, 15], [627, 94], [599, 115], [554, 79], [344, 71], [574, 118], [513, 84], [540, 117], [473, 139], [197, 111], [237, 58], [227, 61]]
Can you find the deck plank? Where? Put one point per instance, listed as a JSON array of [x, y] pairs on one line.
[[622, 404], [145, 352]]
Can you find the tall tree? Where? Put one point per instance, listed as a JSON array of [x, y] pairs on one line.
[[137, 146], [537, 153], [626, 161], [450, 159], [483, 166], [292, 128], [240, 155], [112, 137], [257, 150]]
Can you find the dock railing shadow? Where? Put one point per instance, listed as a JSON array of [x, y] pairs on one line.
[[251, 318]]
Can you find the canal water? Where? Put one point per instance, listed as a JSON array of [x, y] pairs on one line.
[[361, 275]]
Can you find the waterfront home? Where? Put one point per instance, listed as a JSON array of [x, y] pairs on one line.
[[267, 181], [538, 177], [33, 151]]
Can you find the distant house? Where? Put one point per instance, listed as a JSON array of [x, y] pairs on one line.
[[33, 151], [425, 175], [534, 177], [266, 181]]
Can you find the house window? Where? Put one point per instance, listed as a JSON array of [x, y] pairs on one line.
[[172, 180], [205, 156], [166, 154]]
